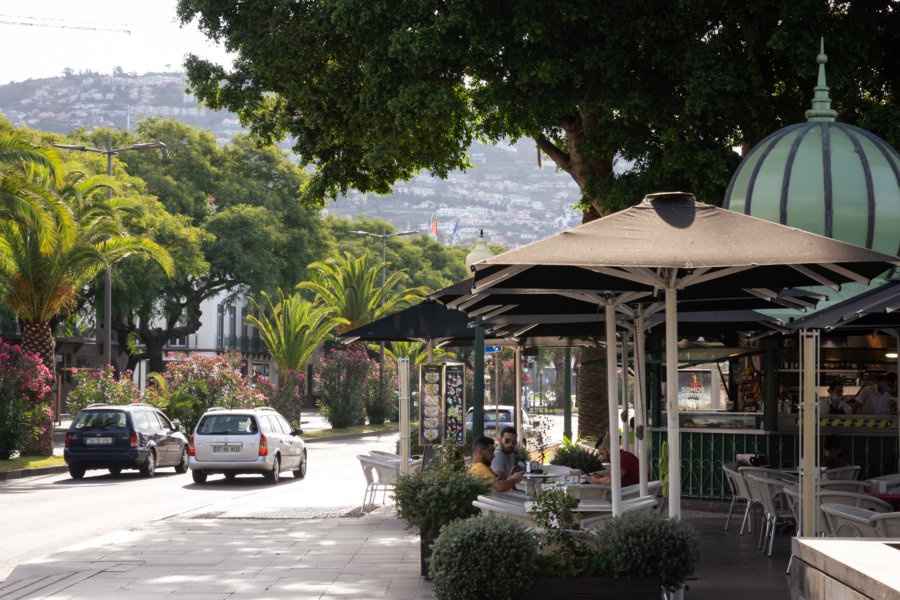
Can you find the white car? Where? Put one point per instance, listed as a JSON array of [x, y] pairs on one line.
[[494, 425], [257, 440]]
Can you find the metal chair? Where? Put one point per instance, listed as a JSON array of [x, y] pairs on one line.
[[739, 492], [848, 521], [770, 492], [887, 525]]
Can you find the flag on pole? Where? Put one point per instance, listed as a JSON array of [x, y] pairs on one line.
[[434, 228], [456, 226]]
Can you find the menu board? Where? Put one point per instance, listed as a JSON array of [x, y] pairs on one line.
[[454, 403], [431, 414]]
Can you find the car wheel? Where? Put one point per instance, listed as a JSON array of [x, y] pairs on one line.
[[199, 476], [230, 476], [300, 473], [149, 468], [115, 471], [182, 465], [275, 474], [76, 472]]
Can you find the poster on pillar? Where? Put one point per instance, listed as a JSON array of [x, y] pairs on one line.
[[454, 403], [431, 408]]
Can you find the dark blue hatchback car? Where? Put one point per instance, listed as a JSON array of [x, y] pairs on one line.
[[133, 436]]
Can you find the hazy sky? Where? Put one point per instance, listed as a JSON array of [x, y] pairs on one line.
[[77, 37]]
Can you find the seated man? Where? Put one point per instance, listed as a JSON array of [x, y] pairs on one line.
[[482, 455], [504, 462], [628, 463]]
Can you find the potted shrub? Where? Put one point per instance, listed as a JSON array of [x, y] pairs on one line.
[[648, 545], [571, 455], [483, 557], [438, 495], [634, 556]]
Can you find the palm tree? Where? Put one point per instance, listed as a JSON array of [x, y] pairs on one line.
[[21, 199], [44, 270], [416, 352], [352, 287], [292, 329]]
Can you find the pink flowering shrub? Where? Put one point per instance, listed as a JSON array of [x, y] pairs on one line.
[[287, 396], [102, 386], [24, 386], [381, 402], [197, 382], [344, 386]]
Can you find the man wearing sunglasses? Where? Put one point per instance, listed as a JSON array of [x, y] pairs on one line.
[[504, 463]]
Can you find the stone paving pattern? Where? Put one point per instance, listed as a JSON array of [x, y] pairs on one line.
[[211, 559]]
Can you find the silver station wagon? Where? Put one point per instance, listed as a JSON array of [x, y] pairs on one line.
[[257, 440]]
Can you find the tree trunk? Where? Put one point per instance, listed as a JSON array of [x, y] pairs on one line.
[[593, 411], [37, 338]]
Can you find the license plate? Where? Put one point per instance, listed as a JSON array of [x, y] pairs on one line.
[[226, 448], [98, 440]]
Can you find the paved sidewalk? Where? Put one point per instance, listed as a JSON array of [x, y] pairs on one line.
[[372, 557]]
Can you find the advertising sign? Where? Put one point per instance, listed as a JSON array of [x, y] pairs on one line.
[[454, 403], [695, 390], [431, 408]]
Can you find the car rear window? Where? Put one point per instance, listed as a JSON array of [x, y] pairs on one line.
[[227, 424], [109, 420]]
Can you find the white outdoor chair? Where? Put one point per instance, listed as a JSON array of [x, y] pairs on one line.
[[844, 485], [739, 492], [595, 519], [415, 465], [887, 525], [512, 510], [848, 521], [850, 472], [770, 492], [381, 474]]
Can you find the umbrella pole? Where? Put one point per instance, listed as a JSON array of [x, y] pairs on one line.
[[640, 411], [623, 416], [517, 396], [672, 403], [615, 466]]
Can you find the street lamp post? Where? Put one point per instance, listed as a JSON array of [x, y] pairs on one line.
[[384, 235], [107, 288]]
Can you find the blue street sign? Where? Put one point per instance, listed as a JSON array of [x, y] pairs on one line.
[[490, 349]]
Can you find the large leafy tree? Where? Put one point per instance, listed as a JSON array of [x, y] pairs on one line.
[[234, 217], [373, 92]]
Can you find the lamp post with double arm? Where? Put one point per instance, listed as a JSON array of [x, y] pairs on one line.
[[384, 235], [107, 289]]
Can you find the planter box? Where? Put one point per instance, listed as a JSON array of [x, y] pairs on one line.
[[584, 588]]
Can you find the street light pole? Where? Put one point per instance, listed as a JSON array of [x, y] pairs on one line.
[[384, 235], [107, 286]]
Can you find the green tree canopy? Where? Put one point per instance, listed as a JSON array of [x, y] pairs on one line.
[[373, 92]]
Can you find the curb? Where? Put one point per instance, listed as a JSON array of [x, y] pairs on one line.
[[350, 436], [19, 473]]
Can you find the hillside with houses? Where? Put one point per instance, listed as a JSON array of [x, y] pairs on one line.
[[506, 193]]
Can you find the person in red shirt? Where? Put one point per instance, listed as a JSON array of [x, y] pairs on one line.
[[628, 462]]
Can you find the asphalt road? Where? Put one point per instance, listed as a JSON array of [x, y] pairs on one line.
[[41, 515]]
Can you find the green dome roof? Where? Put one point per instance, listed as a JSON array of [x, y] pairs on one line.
[[825, 177]]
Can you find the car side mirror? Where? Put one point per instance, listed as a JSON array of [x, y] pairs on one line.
[[297, 432]]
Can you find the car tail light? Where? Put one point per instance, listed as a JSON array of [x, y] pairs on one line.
[[67, 439], [191, 445], [133, 439], [263, 445]]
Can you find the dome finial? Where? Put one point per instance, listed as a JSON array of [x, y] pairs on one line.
[[821, 105]]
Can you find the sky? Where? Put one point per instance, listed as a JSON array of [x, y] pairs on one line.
[[78, 37]]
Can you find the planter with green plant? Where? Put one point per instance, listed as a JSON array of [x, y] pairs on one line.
[[438, 495], [634, 556], [574, 456], [483, 557]]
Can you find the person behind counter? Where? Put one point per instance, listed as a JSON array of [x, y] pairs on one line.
[[876, 399], [834, 404], [482, 455]]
